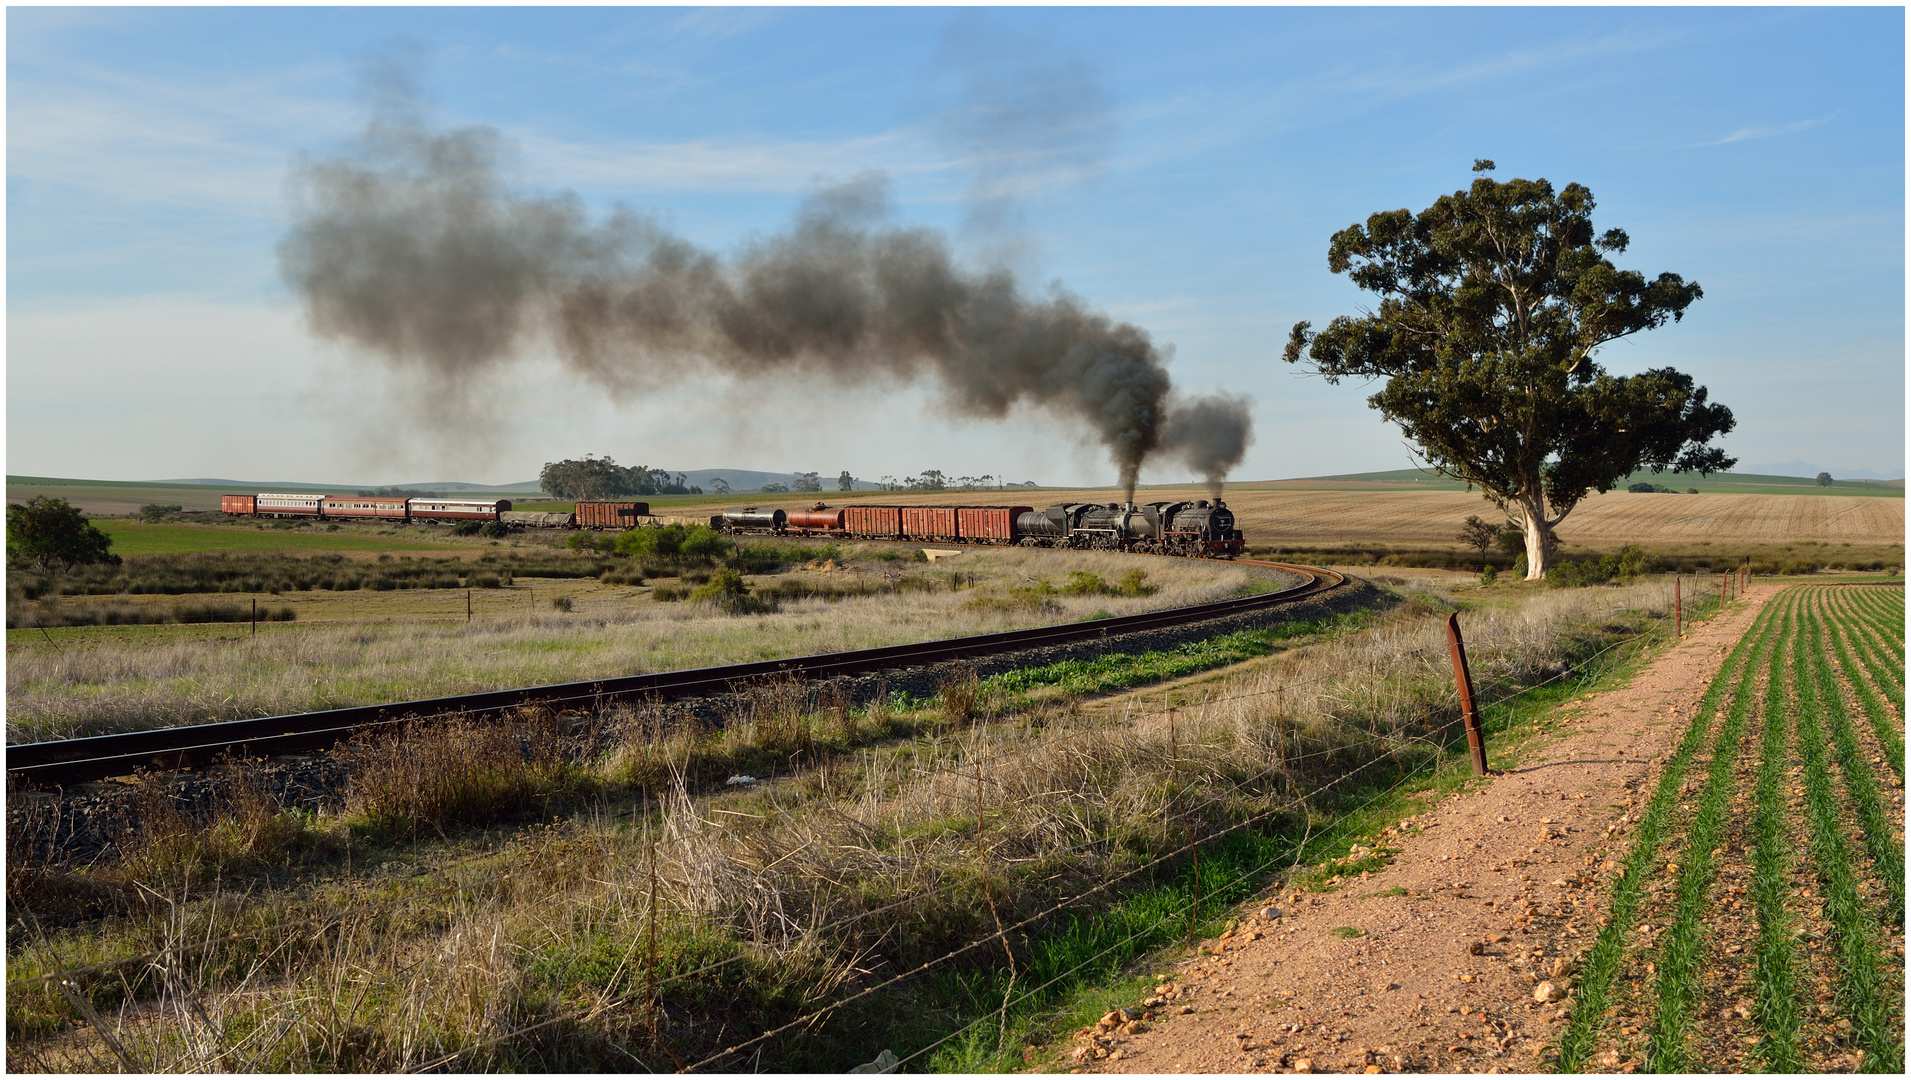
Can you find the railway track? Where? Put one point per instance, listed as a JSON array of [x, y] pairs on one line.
[[73, 761]]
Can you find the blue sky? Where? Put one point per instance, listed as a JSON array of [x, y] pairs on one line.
[[1179, 169]]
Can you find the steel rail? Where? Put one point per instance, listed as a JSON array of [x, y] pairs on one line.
[[72, 761]]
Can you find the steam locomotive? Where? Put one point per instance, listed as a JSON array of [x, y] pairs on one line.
[[1200, 529]]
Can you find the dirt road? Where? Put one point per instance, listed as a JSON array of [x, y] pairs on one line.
[[1436, 962]]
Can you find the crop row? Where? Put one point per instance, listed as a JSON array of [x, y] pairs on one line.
[[1820, 854]]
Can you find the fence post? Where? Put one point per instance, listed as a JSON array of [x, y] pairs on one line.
[[1469, 711], [255, 616], [650, 980], [1678, 616]]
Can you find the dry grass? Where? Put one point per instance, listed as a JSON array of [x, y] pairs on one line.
[[772, 897], [121, 683]]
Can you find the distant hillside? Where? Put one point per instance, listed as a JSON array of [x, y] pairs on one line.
[[1732, 483]]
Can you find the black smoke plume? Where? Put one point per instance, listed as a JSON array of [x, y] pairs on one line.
[[1210, 435], [413, 247]]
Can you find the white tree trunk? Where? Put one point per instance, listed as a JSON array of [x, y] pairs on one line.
[[1538, 536]]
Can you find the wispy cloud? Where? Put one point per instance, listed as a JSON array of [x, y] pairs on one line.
[[1748, 133]]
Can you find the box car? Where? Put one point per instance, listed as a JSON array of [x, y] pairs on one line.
[[929, 522], [365, 506], [988, 524], [610, 515], [238, 504], [458, 509], [303, 505], [872, 520]]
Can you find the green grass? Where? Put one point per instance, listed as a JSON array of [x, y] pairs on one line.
[[139, 538], [1119, 671]]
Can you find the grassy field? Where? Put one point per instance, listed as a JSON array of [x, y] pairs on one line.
[[1757, 923], [363, 646], [479, 901], [140, 538]]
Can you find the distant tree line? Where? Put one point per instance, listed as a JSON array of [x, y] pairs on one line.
[[602, 478], [937, 480]]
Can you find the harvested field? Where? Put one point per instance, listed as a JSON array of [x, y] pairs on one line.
[[1284, 516]]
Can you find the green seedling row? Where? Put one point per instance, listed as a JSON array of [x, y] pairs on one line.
[[1602, 962], [1881, 628], [1678, 987], [1890, 738], [1861, 992], [1783, 681], [1775, 993], [1874, 651], [1861, 786]]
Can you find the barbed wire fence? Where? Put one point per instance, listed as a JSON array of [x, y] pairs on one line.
[[64, 978]]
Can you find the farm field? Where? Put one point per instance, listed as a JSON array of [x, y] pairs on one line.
[[509, 917], [1757, 921]]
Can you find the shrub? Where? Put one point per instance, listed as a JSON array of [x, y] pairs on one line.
[[1628, 562], [452, 772], [561, 603], [496, 530], [727, 590], [695, 543], [156, 512]]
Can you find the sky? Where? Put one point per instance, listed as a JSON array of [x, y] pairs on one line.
[[1181, 170]]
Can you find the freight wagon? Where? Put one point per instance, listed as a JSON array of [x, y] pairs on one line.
[[611, 515]]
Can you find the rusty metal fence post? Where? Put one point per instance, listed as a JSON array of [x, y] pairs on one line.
[[1469, 710]]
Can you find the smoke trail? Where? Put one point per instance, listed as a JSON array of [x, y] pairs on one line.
[[413, 247], [1211, 435]]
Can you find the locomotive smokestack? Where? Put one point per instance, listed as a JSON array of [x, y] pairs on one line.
[[414, 247]]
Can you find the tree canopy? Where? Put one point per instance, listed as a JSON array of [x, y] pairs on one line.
[[1492, 304], [52, 532], [602, 478]]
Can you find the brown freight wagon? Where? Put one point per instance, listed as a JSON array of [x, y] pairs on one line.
[[238, 504], [610, 515], [929, 522], [988, 524], [820, 520], [872, 520], [366, 506]]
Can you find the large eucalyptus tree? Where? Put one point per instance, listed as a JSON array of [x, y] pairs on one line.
[[1492, 304]]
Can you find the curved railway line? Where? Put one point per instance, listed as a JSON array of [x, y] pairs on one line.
[[73, 761]]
